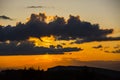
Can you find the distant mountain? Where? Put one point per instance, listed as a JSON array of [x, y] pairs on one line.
[[61, 73]]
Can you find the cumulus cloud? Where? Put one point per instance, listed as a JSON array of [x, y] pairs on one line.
[[73, 28], [5, 17], [28, 48]]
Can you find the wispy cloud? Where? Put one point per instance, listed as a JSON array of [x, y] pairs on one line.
[[5, 17], [114, 51], [39, 7], [36, 7], [97, 47]]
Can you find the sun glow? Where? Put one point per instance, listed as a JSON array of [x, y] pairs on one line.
[[43, 41], [35, 40], [48, 39], [49, 19]]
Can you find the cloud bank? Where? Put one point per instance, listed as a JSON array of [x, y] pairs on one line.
[[28, 48], [73, 28]]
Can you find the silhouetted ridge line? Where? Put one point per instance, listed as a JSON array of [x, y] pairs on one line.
[[61, 73]]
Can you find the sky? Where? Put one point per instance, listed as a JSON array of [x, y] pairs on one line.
[[104, 12], [79, 30]]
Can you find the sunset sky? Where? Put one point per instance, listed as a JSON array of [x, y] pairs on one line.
[[70, 30]]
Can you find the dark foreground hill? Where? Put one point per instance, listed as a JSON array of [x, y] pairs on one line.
[[61, 73]]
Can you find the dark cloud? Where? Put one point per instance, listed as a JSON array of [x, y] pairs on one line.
[[73, 28], [28, 48], [89, 39], [5, 17], [116, 51], [97, 47], [108, 39]]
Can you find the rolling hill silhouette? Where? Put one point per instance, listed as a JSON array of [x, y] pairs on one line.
[[61, 73]]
